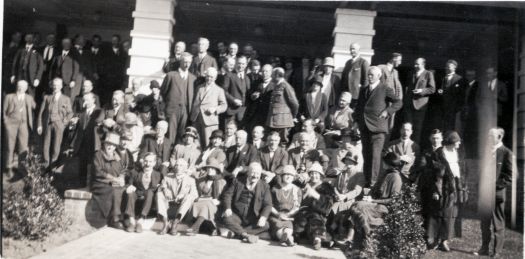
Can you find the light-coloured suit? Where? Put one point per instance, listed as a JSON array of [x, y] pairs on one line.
[[53, 117], [170, 188], [18, 122], [207, 97]]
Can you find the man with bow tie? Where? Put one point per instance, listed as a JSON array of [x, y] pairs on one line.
[[178, 90], [66, 67], [28, 65], [18, 121], [55, 114]]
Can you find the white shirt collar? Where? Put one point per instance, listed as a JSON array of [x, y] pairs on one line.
[[374, 85]]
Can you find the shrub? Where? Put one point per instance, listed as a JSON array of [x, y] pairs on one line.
[[402, 234], [36, 210]]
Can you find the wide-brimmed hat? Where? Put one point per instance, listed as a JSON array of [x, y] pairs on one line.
[[393, 160], [190, 131], [112, 138], [328, 62], [217, 134], [289, 170], [317, 80], [130, 118], [213, 163], [451, 137], [350, 156], [316, 167]]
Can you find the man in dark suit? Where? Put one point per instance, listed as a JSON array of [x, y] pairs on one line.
[[178, 88], [159, 145], [48, 53], [238, 157], [173, 63], [28, 65], [469, 114], [376, 103], [259, 100], [450, 91], [97, 57], [354, 76], [18, 122], [55, 114], [114, 68], [227, 67], [304, 155], [248, 204], [493, 97], [86, 140], [390, 77], [415, 103], [8, 54], [85, 61], [502, 157], [236, 88], [66, 67], [140, 191], [273, 158], [202, 61]]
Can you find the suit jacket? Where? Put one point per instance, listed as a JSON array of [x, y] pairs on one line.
[[33, 68], [86, 66], [199, 66], [256, 108], [314, 110], [66, 67], [119, 117], [283, 106], [391, 79], [234, 88], [78, 103], [412, 150], [275, 164], [335, 81], [172, 65], [493, 99], [135, 179], [178, 93], [343, 119], [371, 104], [426, 82], [48, 63], [354, 76], [87, 139], [452, 97], [262, 199], [8, 111], [503, 170], [204, 99], [64, 110], [247, 155], [163, 152]]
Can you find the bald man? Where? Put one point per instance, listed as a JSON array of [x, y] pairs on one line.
[[202, 61], [377, 102], [354, 75], [18, 121]]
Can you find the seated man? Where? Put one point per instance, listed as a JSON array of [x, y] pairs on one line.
[[239, 156], [350, 141], [273, 158], [177, 190], [247, 203], [231, 128], [407, 150], [316, 139], [303, 156], [339, 117], [257, 137], [140, 190], [159, 145], [318, 198]]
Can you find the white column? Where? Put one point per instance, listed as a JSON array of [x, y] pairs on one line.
[[352, 25], [151, 38]]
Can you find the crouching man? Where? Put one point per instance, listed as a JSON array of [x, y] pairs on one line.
[[178, 191], [140, 191], [247, 203]]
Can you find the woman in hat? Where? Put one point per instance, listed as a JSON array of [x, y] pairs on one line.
[[348, 186], [315, 104], [318, 198], [108, 180], [331, 83], [286, 203], [209, 187], [213, 150], [190, 149], [450, 192]]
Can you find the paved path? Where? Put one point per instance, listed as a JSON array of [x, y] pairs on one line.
[[118, 244]]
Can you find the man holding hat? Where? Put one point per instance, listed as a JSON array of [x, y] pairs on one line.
[[189, 149], [331, 84]]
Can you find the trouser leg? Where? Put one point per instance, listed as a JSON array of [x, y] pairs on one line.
[[378, 140], [256, 230], [162, 205], [486, 233], [233, 223], [367, 155], [58, 130], [146, 205], [131, 200], [47, 143], [117, 202], [11, 134], [499, 226]]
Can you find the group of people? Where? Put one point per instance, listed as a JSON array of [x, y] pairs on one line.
[[252, 147]]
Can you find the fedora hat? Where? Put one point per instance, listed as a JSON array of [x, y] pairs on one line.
[[317, 80], [213, 163], [112, 138], [217, 134], [190, 131], [328, 62], [316, 167]]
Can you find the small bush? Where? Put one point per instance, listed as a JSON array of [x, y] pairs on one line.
[[402, 234], [35, 211]]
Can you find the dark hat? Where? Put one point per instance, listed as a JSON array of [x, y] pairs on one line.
[[352, 133], [316, 80], [154, 84], [393, 160], [350, 156], [213, 163], [217, 134], [451, 61], [451, 137], [191, 131]]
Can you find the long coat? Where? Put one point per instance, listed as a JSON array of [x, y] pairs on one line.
[[31, 70], [283, 107], [178, 93], [235, 88], [372, 103], [256, 109], [354, 76]]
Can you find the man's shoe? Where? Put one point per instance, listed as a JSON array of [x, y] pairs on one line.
[[317, 243], [252, 239], [482, 251], [130, 228], [444, 247], [173, 229], [164, 229], [116, 224], [138, 228]]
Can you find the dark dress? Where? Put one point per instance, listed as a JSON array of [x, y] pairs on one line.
[[284, 201], [204, 206], [311, 218]]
